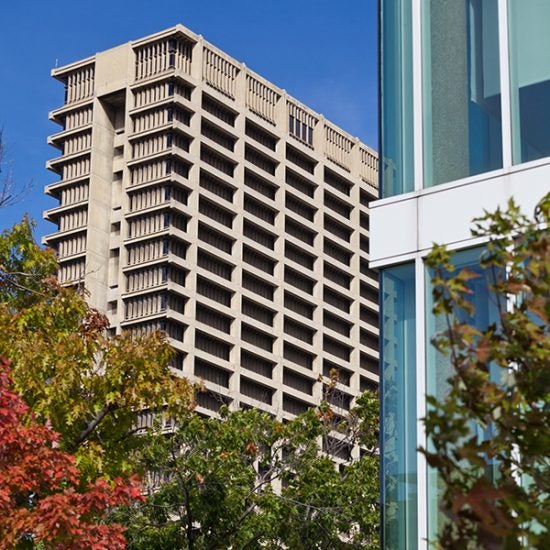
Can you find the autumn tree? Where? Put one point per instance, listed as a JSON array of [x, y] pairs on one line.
[[246, 480], [42, 502], [490, 435], [88, 386]]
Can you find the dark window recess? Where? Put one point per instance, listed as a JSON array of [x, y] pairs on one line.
[[337, 276], [297, 255], [256, 208], [215, 238], [217, 135], [338, 229], [298, 356], [299, 159], [256, 285], [259, 235], [292, 277], [261, 136], [294, 406], [297, 382], [338, 206], [299, 231], [369, 363], [364, 220], [300, 130], [211, 400], [299, 306], [216, 186], [181, 169], [365, 197], [256, 337], [258, 312], [299, 207], [215, 212], [219, 110], [369, 292], [260, 185], [212, 373], [176, 361], [256, 391], [213, 318], [213, 291], [337, 349], [299, 183], [214, 265], [251, 257], [338, 182], [369, 316], [181, 195], [364, 244], [257, 364], [336, 372], [221, 163], [292, 328], [337, 252], [336, 324], [260, 160], [368, 339], [212, 345], [367, 384]]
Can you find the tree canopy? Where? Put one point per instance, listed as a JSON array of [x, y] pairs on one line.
[[247, 480], [41, 498], [88, 386]]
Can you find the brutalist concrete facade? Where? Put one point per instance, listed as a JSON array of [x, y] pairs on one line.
[[197, 198]]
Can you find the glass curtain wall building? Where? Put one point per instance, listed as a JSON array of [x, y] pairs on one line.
[[464, 126]]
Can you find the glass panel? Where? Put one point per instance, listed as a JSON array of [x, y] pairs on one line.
[[438, 368], [396, 143], [461, 89], [398, 391], [529, 22]]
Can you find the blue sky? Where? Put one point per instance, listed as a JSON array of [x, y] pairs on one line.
[[322, 52]]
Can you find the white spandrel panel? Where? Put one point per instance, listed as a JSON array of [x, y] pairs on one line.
[[408, 226], [392, 229]]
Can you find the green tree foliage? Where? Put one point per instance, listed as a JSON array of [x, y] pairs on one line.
[[500, 387], [246, 480], [87, 386]]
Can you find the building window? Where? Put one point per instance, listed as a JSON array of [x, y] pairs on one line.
[[530, 78], [396, 87], [461, 92], [438, 366], [398, 413]]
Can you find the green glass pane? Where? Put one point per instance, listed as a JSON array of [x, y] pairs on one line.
[[396, 168], [529, 38], [398, 393]]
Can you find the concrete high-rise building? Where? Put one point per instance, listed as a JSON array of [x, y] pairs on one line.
[[465, 125], [197, 198]]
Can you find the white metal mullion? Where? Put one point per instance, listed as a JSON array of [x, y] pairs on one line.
[[505, 96], [422, 473], [418, 147]]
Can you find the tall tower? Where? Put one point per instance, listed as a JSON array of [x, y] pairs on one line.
[[199, 199]]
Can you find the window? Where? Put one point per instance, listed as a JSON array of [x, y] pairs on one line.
[[461, 92], [438, 366], [398, 414], [530, 78], [396, 87]]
